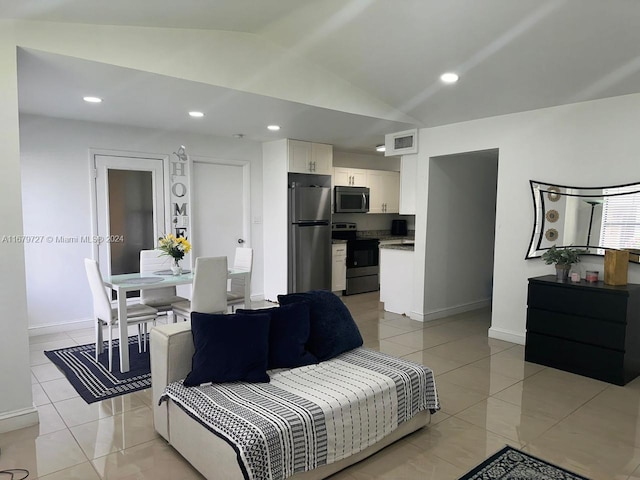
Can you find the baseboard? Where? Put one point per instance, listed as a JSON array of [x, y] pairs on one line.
[[449, 311], [60, 327], [17, 419], [258, 297], [88, 323], [507, 335]]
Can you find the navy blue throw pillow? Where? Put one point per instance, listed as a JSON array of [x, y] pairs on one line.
[[229, 348], [333, 330], [288, 335]]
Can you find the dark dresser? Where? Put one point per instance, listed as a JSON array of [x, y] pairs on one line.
[[591, 329]]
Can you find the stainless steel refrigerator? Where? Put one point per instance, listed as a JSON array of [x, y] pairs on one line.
[[309, 238]]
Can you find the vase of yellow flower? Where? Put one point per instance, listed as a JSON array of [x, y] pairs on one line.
[[176, 248]]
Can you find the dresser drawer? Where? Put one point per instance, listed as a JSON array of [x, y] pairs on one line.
[[588, 360], [579, 302], [580, 329]]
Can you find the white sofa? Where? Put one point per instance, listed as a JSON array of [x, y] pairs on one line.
[[171, 352]]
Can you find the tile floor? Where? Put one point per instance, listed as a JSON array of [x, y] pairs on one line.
[[489, 395]]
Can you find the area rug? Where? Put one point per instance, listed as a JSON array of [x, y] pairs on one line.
[[92, 380], [512, 464]]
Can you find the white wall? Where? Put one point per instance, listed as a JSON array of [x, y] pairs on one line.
[[460, 232], [55, 196], [363, 160], [16, 404], [590, 143]]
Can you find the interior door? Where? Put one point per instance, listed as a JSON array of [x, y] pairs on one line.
[[130, 210], [219, 210]]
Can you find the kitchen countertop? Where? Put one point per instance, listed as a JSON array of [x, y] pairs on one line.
[[384, 238], [335, 241], [398, 246]]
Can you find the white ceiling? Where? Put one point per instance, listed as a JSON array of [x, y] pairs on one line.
[[512, 55]]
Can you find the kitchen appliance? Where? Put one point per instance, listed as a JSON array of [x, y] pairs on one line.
[[399, 227], [309, 233], [351, 199], [363, 268]]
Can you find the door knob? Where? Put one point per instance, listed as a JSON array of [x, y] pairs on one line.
[[240, 240]]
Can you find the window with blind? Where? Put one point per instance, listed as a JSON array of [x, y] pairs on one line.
[[621, 217]]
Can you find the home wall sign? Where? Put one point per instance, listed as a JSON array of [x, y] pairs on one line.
[[179, 175]]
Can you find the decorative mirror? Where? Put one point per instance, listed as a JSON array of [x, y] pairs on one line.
[[594, 219]]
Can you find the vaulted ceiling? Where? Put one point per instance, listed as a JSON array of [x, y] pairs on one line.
[[511, 55]]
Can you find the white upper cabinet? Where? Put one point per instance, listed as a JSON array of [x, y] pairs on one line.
[[384, 195], [306, 157], [322, 158], [408, 174], [349, 177]]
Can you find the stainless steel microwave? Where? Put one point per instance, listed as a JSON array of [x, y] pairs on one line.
[[351, 199]]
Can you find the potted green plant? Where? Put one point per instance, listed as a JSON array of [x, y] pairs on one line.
[[563, 258]]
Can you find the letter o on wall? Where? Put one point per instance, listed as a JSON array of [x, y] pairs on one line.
[[179, 189]]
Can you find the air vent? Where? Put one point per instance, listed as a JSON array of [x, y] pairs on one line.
[[401, 143]]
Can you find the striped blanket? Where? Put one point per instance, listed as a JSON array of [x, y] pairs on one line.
[[313, 415]]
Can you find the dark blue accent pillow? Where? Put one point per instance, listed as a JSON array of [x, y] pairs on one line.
[[229, 348], [333, 330], [288, 335]]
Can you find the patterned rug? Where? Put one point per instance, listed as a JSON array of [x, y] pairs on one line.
[[512, 464], [93, 381]]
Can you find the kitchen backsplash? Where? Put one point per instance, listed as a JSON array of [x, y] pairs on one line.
[[382, 233], [367, 221]]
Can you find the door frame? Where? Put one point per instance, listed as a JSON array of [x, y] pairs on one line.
[[246, 192], [163, 217]]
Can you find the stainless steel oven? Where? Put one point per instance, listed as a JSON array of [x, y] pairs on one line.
[[362, 259], [351, 199]]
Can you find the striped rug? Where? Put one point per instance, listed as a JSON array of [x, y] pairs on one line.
[[92, 380]]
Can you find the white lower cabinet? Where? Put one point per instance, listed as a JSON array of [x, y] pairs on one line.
[[396, 280], [339, 267]]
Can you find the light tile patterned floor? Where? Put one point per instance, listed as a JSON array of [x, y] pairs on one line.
[[490, 397]]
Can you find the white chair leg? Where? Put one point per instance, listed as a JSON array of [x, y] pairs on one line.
[[99, 340], [111, 347], [139, 338], [144, 328]]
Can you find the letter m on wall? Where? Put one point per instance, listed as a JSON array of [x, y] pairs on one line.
[[179, 209]]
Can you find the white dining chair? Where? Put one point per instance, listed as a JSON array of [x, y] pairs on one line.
[[209, 294], [106, 313], [243, 261], [161, 299]]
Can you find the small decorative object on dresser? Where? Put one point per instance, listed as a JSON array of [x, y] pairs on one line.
[[563, 258], [616, 267]]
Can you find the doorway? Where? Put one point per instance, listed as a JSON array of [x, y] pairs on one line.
[[221, 213], [461, 223], [129, 210]]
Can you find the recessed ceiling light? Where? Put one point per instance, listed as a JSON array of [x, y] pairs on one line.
[[380, 148], [273, 128], [92, 99], [196, 114], [449, 77]]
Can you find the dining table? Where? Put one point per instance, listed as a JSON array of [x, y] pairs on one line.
[[127, 282]]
